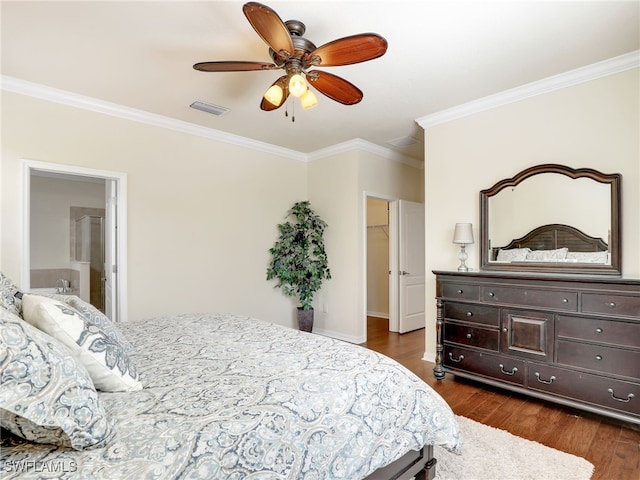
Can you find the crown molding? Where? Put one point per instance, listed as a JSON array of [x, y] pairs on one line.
[[43, 92], [15, 85], [364, 145], [594, 71]]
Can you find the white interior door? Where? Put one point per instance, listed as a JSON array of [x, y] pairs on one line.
[[411, 301], [110, 270]]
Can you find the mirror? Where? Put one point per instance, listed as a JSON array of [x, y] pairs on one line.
[[552, 218]]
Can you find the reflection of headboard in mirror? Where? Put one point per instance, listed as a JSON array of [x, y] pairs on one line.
[[553, 237], [560, 207]]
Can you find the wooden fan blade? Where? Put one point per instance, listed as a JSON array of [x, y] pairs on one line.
[[334, 87], [233, 66], [270, 27], [268, 106], [349, 50]]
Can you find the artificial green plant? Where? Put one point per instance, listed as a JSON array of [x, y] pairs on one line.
[[298, 258]]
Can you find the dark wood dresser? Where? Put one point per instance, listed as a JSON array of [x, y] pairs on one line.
[[573, 340]]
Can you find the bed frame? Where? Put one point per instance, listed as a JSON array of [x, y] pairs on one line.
[[416, 464], [553, 236]]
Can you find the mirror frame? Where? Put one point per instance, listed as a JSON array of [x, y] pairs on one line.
[[548, 267]]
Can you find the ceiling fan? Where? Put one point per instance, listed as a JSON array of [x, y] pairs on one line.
[[296, 55]]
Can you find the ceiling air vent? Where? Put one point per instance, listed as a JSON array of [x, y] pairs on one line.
[[209, 107], [403, 142]]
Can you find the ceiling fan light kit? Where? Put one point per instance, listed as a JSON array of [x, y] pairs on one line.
[[295, 54]]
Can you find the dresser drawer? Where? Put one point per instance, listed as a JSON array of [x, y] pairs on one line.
[[531, 297], [601, 358], [597, 330], [496, 367], [461, 291], [469, 335], [611, 304], [596, 390], [472, 313]]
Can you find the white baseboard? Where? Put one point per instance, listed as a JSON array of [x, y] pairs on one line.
[[339, 336], [429, 357]]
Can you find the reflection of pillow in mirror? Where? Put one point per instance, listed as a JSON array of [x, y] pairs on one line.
[[548, 255], [589, 257], [513, 255]]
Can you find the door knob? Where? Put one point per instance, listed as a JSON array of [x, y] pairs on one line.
[[402, 272]]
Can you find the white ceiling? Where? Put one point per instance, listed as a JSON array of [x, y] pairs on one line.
[[441, 54]]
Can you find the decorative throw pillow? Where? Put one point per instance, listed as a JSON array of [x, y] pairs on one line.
[[548, 255], [589, 257], [94, 317], [8, 299], [105, 359], [513, 255], [45, 395]]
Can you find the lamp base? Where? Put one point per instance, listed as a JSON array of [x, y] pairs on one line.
[[463, 258]]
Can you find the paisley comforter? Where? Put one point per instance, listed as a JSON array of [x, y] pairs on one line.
[[230, 397]]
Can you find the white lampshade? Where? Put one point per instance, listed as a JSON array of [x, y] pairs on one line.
[[308, 100], [274, 95], [463, 233], [297, 85]]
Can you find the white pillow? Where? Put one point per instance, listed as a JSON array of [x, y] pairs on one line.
[[589, 257], [513, 255], [548, 255], [106, 360]]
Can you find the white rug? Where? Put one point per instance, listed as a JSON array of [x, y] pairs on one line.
[[492, 454]]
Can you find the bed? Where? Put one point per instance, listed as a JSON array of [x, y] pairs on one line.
[[223, 396], [554, 243]]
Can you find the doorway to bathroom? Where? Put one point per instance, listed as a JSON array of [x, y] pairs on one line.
[[74, 234]]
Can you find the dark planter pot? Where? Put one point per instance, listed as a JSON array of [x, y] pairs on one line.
[[305, 320]]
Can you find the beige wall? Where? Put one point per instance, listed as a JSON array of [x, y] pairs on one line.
[[202, 214], [593, 124], [338, 186]]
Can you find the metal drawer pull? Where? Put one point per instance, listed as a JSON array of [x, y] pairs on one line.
[[469, 314], [565, 300], [460, 292], [505, 329], [512, 372], [612, 304], [625, 400], [548, 382], [598, 330], [469, 335], [598, 357], [491, 294], [457, 360]]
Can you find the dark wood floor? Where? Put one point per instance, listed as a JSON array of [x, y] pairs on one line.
[[612, 447]]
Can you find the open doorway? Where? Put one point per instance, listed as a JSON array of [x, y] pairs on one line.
[[74, 236], [67, 236], [378, 257], [395, 263]]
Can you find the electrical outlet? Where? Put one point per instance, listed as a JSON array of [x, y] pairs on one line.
[[325, 308]]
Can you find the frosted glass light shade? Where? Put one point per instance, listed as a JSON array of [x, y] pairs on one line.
[[297, 85], [463, 233], [308, 100], [274, 95]]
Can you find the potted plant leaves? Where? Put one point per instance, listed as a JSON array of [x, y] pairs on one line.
[[298, 259]]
